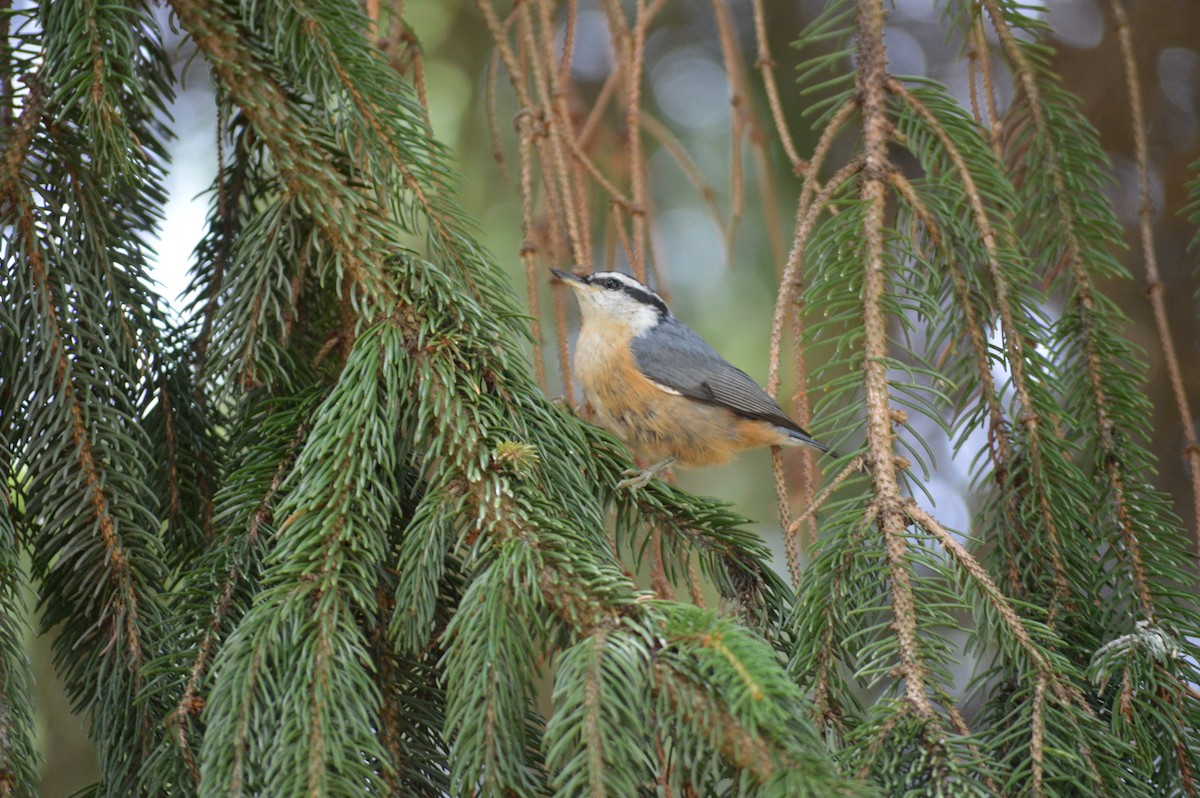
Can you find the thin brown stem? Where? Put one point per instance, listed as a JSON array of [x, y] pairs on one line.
[[766, 66], [791, 537], [633, 127], [658, 576], [1037, 738], [803, 414], [525, 136], [607, 90], [853, 466], [788, 283], [994, 122], [493, 67], [557, 127], [739, 118], [1154, 286]]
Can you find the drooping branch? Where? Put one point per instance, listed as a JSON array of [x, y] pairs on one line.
[[872, 80], [1084, 299]]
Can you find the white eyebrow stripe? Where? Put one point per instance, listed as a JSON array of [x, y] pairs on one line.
[[624, 279], [630, 283]]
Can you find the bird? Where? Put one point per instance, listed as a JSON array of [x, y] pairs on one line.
[[662, 389]]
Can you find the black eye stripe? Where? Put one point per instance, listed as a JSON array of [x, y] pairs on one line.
[[646, 298], [631, 288]]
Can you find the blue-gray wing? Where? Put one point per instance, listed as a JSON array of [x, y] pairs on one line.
[[674, 356]]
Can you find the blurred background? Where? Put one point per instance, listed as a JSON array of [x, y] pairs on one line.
[[726, 290]]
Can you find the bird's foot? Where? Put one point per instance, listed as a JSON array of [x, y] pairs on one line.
[[637, 480]]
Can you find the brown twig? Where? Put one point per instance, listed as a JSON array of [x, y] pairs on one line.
[[557, 127], [803, 414], [1154, 286], [740, 119], [525, 134], [658, 576], [994, 122], [791, 542], [788, 282], [1037, 738], [694, 589], [804, 225], [855, 465], [766, 66], [637, 166], [607, 90], [493, 66], [872, 82]]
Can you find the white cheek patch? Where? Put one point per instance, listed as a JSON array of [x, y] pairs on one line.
[[643, 319]]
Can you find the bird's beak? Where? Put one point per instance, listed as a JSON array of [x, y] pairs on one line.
[[567, 277]]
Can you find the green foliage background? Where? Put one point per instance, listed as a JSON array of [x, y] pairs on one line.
[[326, 534]]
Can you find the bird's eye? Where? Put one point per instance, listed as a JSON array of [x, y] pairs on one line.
[[612, 283]]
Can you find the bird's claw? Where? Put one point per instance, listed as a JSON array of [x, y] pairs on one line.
[[635, 480]]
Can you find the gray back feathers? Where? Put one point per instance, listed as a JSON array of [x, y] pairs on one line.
[[673, 355]]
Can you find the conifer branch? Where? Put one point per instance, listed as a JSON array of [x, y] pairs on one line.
[[449, 541], [310, 175], [1014, 342], [999, 444], [1084, 303], [736, 743], [191, 702], [825, 707], [976, 572], [789, 300], [19, 759], [872, 85], [121, 622]]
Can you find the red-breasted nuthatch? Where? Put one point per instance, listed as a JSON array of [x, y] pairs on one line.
[[660, 388]]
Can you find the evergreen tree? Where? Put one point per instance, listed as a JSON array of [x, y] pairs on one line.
[[329, 535]]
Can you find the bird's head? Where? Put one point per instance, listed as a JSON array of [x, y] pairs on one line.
[[613, 298]]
